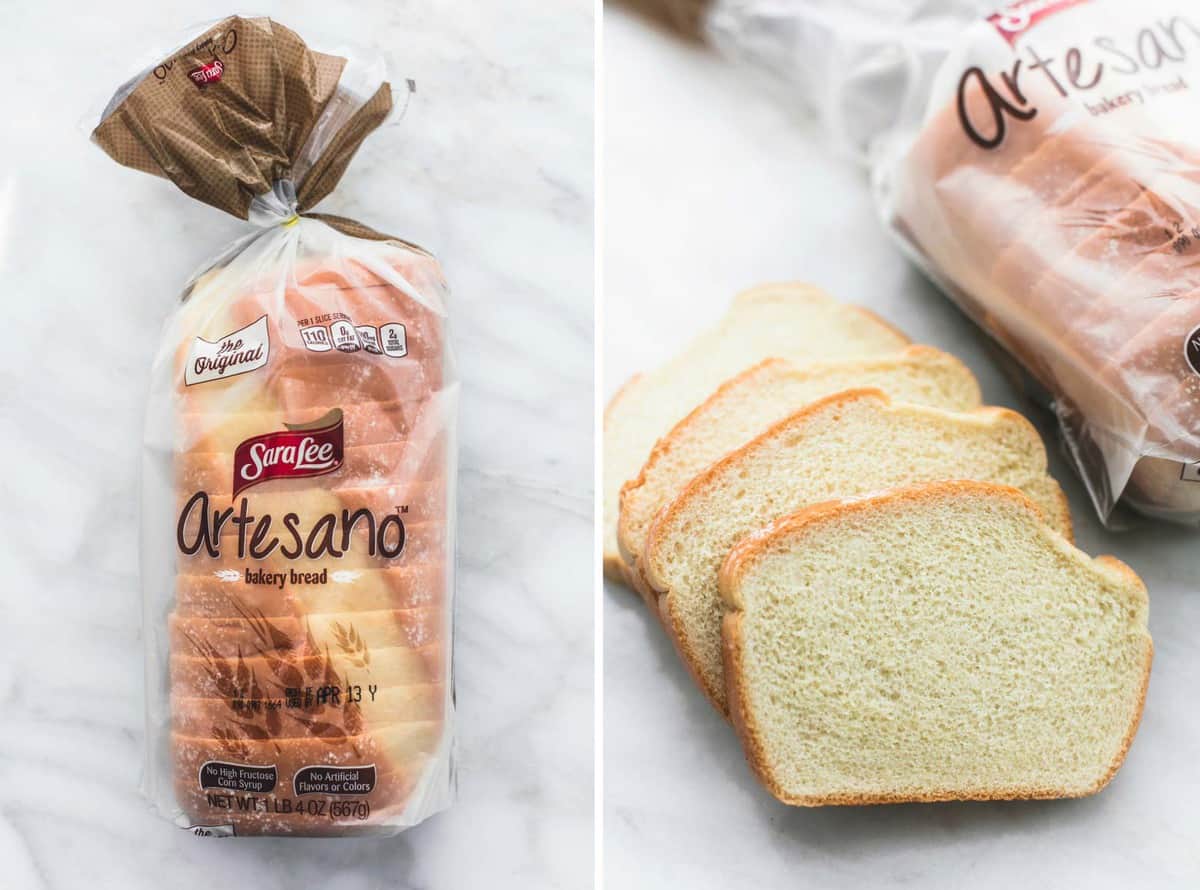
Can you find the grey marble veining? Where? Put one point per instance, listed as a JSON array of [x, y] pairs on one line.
[[710, 187], [491, 168]]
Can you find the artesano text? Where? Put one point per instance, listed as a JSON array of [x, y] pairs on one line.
[[1164, 43]]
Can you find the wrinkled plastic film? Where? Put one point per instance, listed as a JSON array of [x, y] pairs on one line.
[[1063, 217], [1041, 162], [246, 651]]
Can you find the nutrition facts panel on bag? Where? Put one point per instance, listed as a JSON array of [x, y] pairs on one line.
[[338, 331]]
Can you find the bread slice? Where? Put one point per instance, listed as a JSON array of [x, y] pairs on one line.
[[765, 394], [849, 444], [938, 642], [790, 321]]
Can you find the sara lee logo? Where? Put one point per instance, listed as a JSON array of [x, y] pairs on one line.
[[312, 449], [1016, 18], [203, 75]]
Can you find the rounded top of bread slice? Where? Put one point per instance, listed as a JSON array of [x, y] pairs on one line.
[[792, 321], [849, 444], [933, 642], [746, 405]]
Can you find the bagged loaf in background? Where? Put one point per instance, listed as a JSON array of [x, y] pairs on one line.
[[1040, 161]]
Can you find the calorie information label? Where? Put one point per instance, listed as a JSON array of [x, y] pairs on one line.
[[340, 332]]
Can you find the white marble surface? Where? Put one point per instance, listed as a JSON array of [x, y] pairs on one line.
[[492, 169], [710, 188]]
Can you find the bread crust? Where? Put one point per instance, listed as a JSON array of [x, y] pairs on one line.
[[654, 584], [625, 538], [614, 567], [630, 544], [746, 553]]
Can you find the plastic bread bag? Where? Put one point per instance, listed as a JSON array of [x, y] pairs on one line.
[[1041, 162], [299, 462]]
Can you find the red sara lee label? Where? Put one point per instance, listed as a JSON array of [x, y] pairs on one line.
[[1014, 19], [206, 74], [310, 450]]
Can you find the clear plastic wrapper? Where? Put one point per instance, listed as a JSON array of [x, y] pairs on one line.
[[1041, 161], [299, 462]]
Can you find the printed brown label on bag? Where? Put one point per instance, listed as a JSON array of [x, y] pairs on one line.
[[203, 75]]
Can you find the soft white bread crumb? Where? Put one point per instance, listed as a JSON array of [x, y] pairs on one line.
[[849, 444], [747, 405], [790, 321], [932, 643]]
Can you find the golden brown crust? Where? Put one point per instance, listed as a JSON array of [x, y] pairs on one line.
[[626, 540], [614, 567], [749, 550], [616, 570], [665, 443], [1064, 505], [622, 391]]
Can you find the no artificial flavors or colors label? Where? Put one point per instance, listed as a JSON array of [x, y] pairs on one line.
[[338, 780]]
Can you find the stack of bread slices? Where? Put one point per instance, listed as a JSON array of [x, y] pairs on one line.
[[868, 572]]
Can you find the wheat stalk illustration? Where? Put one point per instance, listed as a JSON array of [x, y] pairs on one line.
[[290, 666], [351, 643]]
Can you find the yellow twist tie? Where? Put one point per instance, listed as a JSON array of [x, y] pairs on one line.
[[291, 221]]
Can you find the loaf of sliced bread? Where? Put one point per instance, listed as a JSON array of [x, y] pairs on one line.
[[747, 405], [848, 444], [789, 321], [937, 642]]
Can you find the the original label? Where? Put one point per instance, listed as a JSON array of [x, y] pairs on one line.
[[308, 450], [236, 353], [212, 830], [238, 776], [325, 779]]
